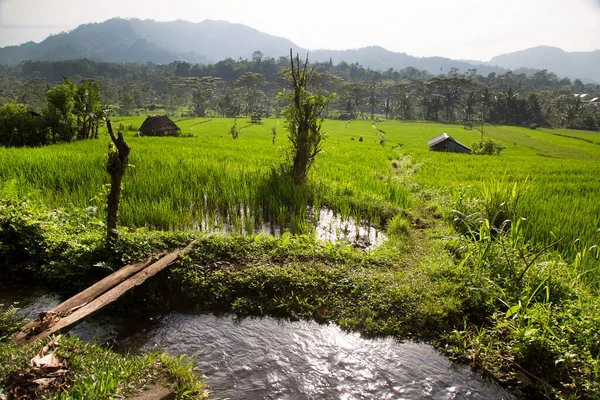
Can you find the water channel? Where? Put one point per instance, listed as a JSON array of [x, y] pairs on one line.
[[269, 358]]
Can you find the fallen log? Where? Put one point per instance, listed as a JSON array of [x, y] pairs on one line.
[[74, 310]]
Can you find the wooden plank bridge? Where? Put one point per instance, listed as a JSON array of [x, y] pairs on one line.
[[74, 310]]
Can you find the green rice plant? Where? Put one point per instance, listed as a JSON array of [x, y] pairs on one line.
[[197, 181], [496, 204]]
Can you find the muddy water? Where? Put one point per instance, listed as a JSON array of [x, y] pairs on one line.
[[269, 358]]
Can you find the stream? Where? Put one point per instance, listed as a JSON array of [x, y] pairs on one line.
[[268, 358]]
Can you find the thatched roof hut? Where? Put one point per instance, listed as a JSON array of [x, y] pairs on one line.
[[159, 125]]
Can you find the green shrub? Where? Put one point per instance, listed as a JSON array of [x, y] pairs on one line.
[[487, 146]]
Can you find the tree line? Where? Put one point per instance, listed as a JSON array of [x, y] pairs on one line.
[[233, 88]]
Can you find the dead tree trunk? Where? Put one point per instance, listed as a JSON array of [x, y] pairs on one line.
[[118, 159]]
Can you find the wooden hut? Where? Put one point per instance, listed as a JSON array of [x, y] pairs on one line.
[[447, 143], [159, 125], [534, 126]]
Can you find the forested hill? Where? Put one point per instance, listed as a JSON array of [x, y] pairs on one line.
[[134, 40], [378, 58], [142, 41]]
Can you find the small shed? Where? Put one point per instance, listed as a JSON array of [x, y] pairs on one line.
[[444, 142], [159, 125], [534, 126]]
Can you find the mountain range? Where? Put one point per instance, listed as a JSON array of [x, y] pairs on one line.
[[134, 40]]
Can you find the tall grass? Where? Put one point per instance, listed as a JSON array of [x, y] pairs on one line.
[[557, 174], [210, 180]]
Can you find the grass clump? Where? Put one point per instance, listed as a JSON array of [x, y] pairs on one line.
[[399, 226]]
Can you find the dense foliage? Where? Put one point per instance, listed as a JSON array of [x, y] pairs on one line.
[[89, 371], [233, 88], [70, 112]]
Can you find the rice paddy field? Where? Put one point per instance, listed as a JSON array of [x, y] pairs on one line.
[[506, 298], [208, 180]]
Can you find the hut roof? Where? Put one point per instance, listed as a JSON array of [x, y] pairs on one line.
[[443, 137], [157, 124], [438, 139]]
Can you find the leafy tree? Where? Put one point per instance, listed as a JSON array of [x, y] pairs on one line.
[[251, 84], [303, 119], [229, 103], [372, 89], [257, 56], [486, 101], [60, 102], [33, 93], [450, 90], [469, 103], [127, 104], [86, 107], [205, 91], [402, 101], [352, 98], [534, 109]]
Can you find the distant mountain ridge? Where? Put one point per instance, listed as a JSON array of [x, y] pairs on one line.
[[141, 41], [582, 65]]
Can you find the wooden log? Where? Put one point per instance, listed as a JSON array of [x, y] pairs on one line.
[[83, 310]]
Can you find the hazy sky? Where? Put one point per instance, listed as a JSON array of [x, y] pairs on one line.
[[466, 29]]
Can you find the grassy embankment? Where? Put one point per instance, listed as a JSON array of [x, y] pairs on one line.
[[485, 297]]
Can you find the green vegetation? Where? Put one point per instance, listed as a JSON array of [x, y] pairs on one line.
[[88, 371], [481, 259], [71, 112], [487, 146], [303, 120], [210, 180], [236, 88]]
